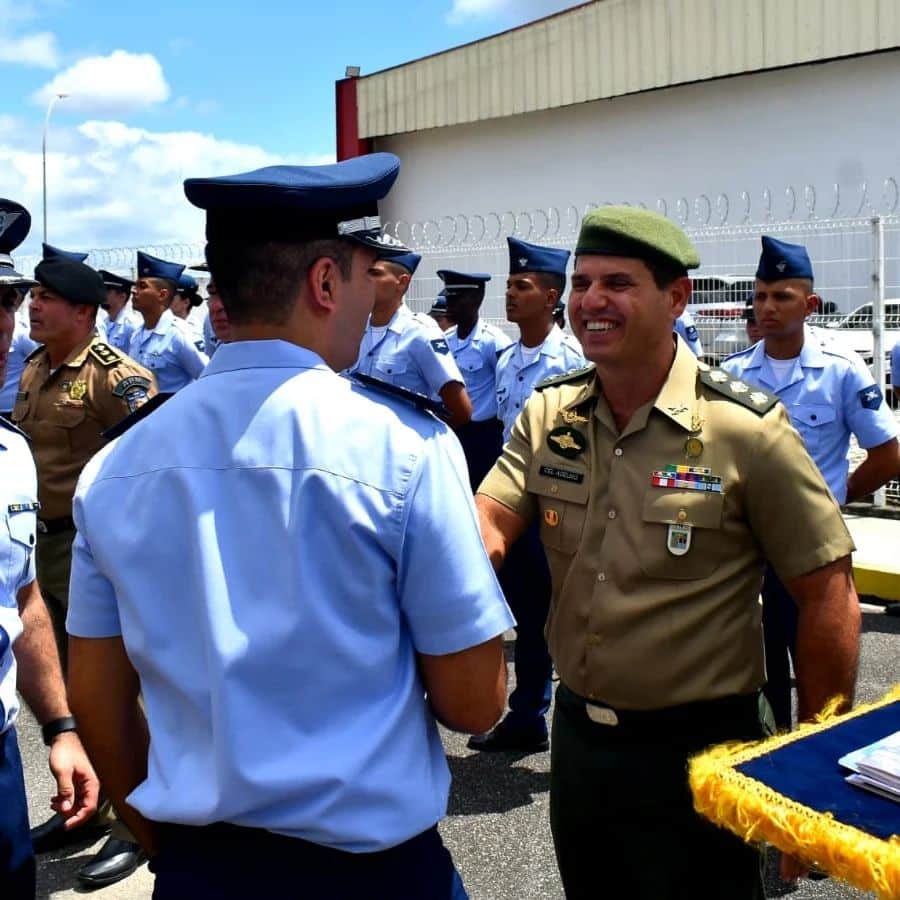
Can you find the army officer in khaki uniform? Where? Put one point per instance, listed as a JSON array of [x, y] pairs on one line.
[[71, 390], [661, 487]]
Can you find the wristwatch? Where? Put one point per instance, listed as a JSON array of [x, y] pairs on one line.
[[55, 727]]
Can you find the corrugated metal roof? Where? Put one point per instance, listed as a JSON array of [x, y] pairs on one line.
[[615, 47]]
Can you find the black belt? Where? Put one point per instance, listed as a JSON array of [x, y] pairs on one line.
[[55, 526], [686, 717]]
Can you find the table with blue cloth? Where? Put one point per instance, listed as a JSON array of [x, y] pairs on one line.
[[791, 792]]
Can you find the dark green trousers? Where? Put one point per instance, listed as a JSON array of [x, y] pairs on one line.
[[621, 811]]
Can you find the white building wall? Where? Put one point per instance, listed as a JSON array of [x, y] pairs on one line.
[[836, 123]]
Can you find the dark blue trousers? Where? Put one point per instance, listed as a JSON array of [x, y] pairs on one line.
[[227, 862], [525, 579], [16, 856], [780, 633], [482, 443]]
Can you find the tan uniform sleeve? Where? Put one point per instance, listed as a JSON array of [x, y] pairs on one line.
[[122, 389], [506, 482], [792, 513]]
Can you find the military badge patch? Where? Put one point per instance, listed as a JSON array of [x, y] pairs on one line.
[[870, 397], [77, 390], [566, 442], [440, 346]]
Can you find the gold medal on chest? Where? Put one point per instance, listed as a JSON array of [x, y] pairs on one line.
[[78, 390]]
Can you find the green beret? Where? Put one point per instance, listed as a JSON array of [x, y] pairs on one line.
[[634, 232]]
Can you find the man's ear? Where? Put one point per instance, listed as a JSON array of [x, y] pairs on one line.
[[680, 289], [321, 280]]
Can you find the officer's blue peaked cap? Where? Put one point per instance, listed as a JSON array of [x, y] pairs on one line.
[[15, 223], [153, 267], [780, 260], [51, 252], [462, 281], [300, 203], [525, 257], [408, 261]]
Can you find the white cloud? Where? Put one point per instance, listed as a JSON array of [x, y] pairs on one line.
[[112, 185], [37, 50], [507, 11], [109, 85]]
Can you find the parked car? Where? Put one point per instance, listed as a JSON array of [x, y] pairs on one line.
[[717, 305], [855, 330]]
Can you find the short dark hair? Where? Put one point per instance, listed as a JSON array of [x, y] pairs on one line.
[[166, 283], [665, 271], [259, 282], [552, 281]]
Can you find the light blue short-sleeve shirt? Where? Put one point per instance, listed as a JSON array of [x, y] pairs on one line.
[[20, 348], [412, 353], [169, 351], [118, 332], [829, 395], [895, 366], [476, 357], [516, 377], [276, 639], [18, 529], [687, 328]]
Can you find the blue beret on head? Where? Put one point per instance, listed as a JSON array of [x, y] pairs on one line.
[[15, 223], [300, 203], [525, 257], [51, 252], [780, 260], [119, 282], [408, 261], [152, 267], [462, 281]]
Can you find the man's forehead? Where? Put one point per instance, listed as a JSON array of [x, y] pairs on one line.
[[591, 263], [784, 285]]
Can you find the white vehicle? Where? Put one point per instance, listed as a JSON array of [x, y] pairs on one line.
[[717, 304], [854, 331]]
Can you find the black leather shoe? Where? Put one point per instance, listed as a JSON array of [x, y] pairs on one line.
[[505, 739], [114, 861], [52, 835]]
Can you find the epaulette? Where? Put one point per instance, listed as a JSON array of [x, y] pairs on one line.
[[507, 347], [5, 423], [392, 390], [141, 412], [104, 354], [574, 377], [748, 395]]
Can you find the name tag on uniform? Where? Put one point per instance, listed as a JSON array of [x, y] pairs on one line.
[[23, 507], [562, 474]]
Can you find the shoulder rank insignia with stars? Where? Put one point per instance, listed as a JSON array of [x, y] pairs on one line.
[[754, 398], [419, 400], [573, 377], [104, 354]]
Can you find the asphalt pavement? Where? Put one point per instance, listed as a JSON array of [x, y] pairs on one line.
[[497, 824]]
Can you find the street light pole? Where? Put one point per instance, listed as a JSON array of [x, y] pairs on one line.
[[50, 106]]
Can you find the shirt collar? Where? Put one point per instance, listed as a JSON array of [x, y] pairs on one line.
[[77, 357], [399, 319], [165, 322], [677, 400], [273, 354]]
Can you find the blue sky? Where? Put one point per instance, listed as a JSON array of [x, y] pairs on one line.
[[166, 90]]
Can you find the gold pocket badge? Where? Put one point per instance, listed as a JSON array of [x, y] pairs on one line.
[[551, 518], [78, 390]]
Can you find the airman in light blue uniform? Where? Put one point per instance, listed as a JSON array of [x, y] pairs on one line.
[[829, 394], [122, 321], [288, 642], [20, 348], [164, 343], [410, 351], [517, 375], [685, 326]]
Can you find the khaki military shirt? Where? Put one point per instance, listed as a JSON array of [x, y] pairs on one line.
[[64, 412], [656, 585]]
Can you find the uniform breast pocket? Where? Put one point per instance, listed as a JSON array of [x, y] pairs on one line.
[[72, 418], [21, 527], [681, 536], [562, 496], [813, 421], [390, 364], [470, 361]]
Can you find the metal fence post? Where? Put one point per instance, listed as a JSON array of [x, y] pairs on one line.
[[878, 322]]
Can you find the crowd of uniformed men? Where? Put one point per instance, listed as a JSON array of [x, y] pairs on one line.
[[263, 544]]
